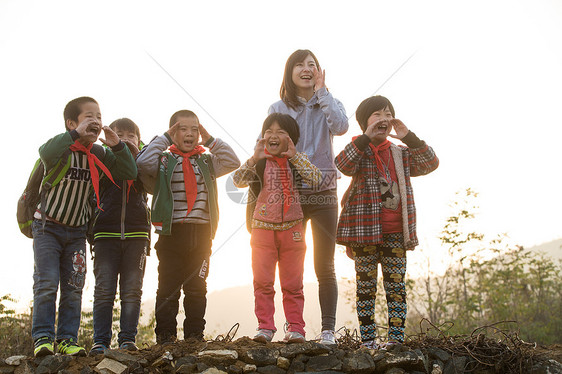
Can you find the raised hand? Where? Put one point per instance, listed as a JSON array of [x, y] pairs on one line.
[[291, 149], [371, 131], [111, 138], [259, 153], [319, 78], [399, 128], [205, 136], [172, 130], [132, 147], [90, 126]]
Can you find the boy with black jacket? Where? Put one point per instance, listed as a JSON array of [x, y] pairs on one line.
[[121, 232]]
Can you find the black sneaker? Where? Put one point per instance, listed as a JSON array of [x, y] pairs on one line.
[[128, 346], [97, 349]]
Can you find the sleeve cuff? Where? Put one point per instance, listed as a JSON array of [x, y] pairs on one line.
[[168, 137], [119, 146], [362, 142], [321, 93], [74, 135], [209, 142], [412, 141]]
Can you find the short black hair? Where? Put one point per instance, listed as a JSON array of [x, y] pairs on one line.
[[125, 124], [74, 107], [181, 113], [369, 106], [286, 122]]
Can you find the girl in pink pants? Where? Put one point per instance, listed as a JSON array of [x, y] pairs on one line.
[[274, 218]]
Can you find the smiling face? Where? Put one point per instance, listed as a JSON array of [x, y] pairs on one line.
[[303, 75], [383, 128], [186, 137], [89, 110], [276, 139]]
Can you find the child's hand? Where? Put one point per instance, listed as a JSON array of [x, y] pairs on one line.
[[111, 138], [371, 131], [205, 136], [259, 153], [89, 129], [319, 78], [291, 149], [132, 147], [172, 130], [399, 128]]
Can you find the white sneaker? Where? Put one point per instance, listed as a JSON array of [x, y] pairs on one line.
[[327, 337]]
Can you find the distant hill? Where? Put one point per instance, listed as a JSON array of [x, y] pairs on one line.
[[552, 249]]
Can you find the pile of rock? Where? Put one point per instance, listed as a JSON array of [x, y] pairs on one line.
[[245, 356]]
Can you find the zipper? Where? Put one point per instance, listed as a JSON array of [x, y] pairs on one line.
[[123, 209]]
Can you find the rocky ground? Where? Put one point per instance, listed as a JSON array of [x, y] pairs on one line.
[[246, 356]]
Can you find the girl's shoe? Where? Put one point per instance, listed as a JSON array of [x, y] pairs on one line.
[[264, 336], [294, 337], [327, 337]]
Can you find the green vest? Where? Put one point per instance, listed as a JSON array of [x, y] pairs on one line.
[[163, 200]]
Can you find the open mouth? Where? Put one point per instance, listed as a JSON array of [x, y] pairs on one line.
[[93, 129], [306, 77], [273, 145], [382, 127]]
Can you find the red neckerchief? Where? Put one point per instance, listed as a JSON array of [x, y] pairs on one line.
[[93, 161], [188, 174], [129, 185], [285, 179], [376, 149]]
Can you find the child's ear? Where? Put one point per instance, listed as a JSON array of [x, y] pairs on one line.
[[71, 125]]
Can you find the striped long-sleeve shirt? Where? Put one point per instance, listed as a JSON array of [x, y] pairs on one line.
[[200, 211], [67, 202]]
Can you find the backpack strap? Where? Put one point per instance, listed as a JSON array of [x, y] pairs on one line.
[[52, 178]]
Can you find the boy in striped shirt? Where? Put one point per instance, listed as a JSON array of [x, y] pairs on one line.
[[59, 240], [182, 179]]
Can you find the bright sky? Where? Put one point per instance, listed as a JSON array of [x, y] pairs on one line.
[[483, 88]]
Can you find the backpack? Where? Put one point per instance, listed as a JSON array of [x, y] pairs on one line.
[[39, 184], [36, 190]]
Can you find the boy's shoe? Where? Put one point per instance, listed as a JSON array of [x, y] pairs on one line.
[[165, 340], [294, 337], [327, 337], [128, 346], [43, 347], [97, 349], [264, 336], [71, 348]]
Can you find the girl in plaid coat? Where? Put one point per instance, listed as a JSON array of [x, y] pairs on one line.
[[378, 218]]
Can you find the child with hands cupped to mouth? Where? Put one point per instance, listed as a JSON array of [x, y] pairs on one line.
[[275, 220], [182, 177], [378, 219]]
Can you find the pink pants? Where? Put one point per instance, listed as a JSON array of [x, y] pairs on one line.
[[288, 248]]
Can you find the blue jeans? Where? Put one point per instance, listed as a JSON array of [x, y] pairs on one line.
[[60, 260], [123, 259]]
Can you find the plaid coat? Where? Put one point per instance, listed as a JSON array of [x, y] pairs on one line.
[[359, 223]]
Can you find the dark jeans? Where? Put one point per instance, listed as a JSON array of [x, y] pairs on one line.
[[126, 260], [322, 210], [59, 260], [183, 263]]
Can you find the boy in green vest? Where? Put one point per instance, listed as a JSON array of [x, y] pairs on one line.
[[61, 220], [182, 179]]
